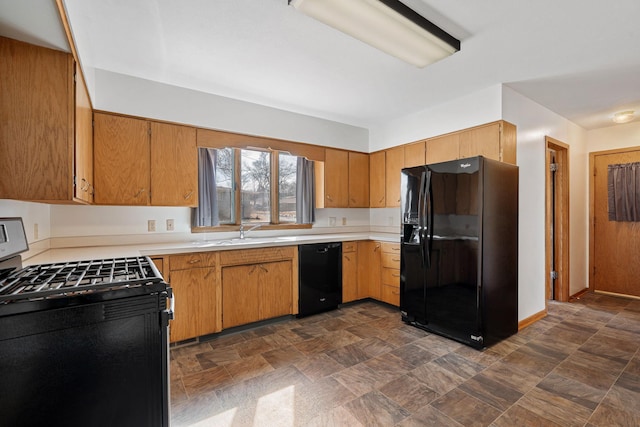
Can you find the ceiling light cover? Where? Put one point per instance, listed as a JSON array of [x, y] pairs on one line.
[[624, 116], [384, 28]]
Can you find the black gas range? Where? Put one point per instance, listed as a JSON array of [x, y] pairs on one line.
[[82, 343]]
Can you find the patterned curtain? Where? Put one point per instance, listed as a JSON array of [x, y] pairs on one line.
[[624, 192]]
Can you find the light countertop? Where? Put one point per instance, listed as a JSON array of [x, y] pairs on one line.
[[115, 251]]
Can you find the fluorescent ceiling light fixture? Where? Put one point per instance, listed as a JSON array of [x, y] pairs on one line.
[[624, 116], [388, 25]]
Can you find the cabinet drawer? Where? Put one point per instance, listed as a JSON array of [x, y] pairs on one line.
[[391, 277], [348, 247], [392, 248], [390, 295], [390, 260], [256, 256], [199, 259]]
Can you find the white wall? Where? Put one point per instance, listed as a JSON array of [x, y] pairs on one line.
[[130, 95], [616, 136], [33, 215], [471, 110], [534, 122]]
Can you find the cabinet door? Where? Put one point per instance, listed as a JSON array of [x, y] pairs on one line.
[[358, 180], [369, 269], [174, 165], [350, 276], [443, 148], [240, 295], [393, 167], [336, 179], [414, 154], [121, 160], [36, 122], [83, 142], [481, 141], [377, 180], [275, 289], [195, 299]]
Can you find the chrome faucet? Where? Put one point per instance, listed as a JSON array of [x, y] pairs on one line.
[[243, 231]]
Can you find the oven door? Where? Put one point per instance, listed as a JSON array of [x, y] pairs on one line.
[[98, 364]]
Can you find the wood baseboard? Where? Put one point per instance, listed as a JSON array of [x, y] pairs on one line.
[[531, 319], [577, 295], [614, 294]]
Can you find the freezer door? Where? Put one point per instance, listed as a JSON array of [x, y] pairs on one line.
[[412, 260]]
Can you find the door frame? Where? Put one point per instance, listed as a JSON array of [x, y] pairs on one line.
[[592, 201], [561, 247]]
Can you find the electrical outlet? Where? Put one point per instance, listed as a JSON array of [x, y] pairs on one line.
[[332, 221], [151, 225], [344, 220], [170, 225], [35, 231]]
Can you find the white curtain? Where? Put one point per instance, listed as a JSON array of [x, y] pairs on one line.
[[305, 192], [206, 214]]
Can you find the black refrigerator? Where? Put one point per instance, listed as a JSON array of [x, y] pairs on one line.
[[459, 255]]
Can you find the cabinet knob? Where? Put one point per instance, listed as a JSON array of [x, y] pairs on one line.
[[329, 198], [381, 199]]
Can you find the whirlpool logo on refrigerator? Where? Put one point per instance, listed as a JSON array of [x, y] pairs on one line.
[[465, 165]]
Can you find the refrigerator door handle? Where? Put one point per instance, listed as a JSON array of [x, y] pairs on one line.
[[427, 210], [421, 217]]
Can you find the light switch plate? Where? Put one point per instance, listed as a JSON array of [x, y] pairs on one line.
[[151, 225], [170, 225]]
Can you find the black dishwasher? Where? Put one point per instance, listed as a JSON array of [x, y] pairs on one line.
[[320, 277]]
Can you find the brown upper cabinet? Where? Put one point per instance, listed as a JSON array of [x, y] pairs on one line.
[[45, 128], [496, 140], [394, 162], [358, 180], [140, 162], [377, 195], [336, 178], [414, 154], [342, 180]]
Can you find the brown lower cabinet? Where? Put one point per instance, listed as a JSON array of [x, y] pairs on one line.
[[194, 282], [350, 283], [219, 290], [255, 292], [390, 289], [258, 284]]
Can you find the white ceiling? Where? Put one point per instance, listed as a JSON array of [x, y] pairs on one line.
[[579, 58]]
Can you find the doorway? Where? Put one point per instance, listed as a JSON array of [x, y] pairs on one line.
[[614, 242], [557, 220]]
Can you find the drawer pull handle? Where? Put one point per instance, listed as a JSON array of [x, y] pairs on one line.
[[395, 259], [188, 195], [139, 192], [395, 275], [194, 261]]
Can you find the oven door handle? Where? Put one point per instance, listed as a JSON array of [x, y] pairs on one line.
[[169, 314]]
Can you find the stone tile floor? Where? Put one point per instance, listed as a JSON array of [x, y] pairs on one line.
[[361, 366]]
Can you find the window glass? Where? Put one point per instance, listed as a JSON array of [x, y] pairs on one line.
[[255, 175], [287, 171], [224, 185]]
